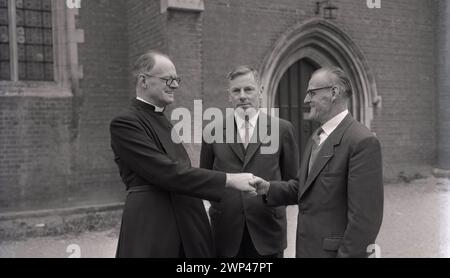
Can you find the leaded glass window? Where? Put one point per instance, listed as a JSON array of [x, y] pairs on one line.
[[33, 41], [5, 67]]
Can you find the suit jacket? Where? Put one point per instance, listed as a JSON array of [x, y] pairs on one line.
[[266, 225], [168, 213], [341, 201]]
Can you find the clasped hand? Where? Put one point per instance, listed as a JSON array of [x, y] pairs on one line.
[[248, 183]]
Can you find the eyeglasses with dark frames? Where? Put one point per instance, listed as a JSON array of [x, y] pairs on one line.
[[169, 80], [313, 92]]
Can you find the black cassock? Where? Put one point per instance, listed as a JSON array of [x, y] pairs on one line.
[[164, 215]]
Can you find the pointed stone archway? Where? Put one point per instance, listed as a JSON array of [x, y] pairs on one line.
[[325, 44]]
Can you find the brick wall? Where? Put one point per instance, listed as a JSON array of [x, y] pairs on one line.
[[443, 83], [397, 40], [55, 152], [35, 152], [146, 28], [104, 92], [184, 37]]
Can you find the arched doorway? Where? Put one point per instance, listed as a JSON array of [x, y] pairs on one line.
[[290, 95], [286, 71]]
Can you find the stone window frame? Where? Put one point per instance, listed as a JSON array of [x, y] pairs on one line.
[[67, 71]]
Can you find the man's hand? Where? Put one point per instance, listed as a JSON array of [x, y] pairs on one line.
[[241, 182], [261, 185]]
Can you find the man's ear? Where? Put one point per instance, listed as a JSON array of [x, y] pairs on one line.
[[261, 92], [335, 92], [142, 82]]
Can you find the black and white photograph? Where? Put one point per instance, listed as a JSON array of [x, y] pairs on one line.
[[225, 129]]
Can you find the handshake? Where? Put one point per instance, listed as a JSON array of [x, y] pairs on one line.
[[248, 183]]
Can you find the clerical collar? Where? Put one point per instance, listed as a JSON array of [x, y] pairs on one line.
[[157, 108]]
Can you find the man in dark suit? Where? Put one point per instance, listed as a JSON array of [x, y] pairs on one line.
[[244, 227], [340, 189], [164, 216]]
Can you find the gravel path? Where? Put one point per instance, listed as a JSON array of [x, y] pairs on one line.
[[416, 224]]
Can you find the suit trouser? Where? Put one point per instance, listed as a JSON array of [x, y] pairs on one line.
[[248, 250], [181, 254]]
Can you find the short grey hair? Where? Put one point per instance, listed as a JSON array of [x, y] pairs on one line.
[[243, 70], [340, 78], [146, 63]]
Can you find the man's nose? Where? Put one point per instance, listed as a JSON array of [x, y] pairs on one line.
[[242, 95], [174, 85], [307, 98]]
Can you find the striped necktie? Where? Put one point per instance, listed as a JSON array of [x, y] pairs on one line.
[[315, 148]]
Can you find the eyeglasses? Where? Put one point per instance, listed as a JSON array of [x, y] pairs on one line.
[[169, 80], [313, 92]]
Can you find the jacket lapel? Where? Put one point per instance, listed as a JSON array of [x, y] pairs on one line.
[[325, 153], [257, 137], [304, 162]]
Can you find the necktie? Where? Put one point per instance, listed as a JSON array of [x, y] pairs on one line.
[[315, 148], [246, 131]]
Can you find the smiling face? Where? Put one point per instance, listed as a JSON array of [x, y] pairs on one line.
[[321, 101], [245, 92], [156, 90]]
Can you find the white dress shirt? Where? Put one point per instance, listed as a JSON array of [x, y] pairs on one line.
[[157, 108], [240, 123], [331, 125]]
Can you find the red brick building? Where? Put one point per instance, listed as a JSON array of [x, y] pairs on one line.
[[64, 74]]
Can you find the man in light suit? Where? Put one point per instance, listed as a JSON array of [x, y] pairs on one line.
[[340, 189], [244, 227], [164, 216]]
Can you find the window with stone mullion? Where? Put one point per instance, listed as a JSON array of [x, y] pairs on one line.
[[5, 67], [33, 41]]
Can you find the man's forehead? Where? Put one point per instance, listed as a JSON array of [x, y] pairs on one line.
[[246, 79], [163, 65], [319, 78]]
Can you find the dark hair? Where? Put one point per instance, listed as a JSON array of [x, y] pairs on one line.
[[243, 70], [340, 78], [146, 63]]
